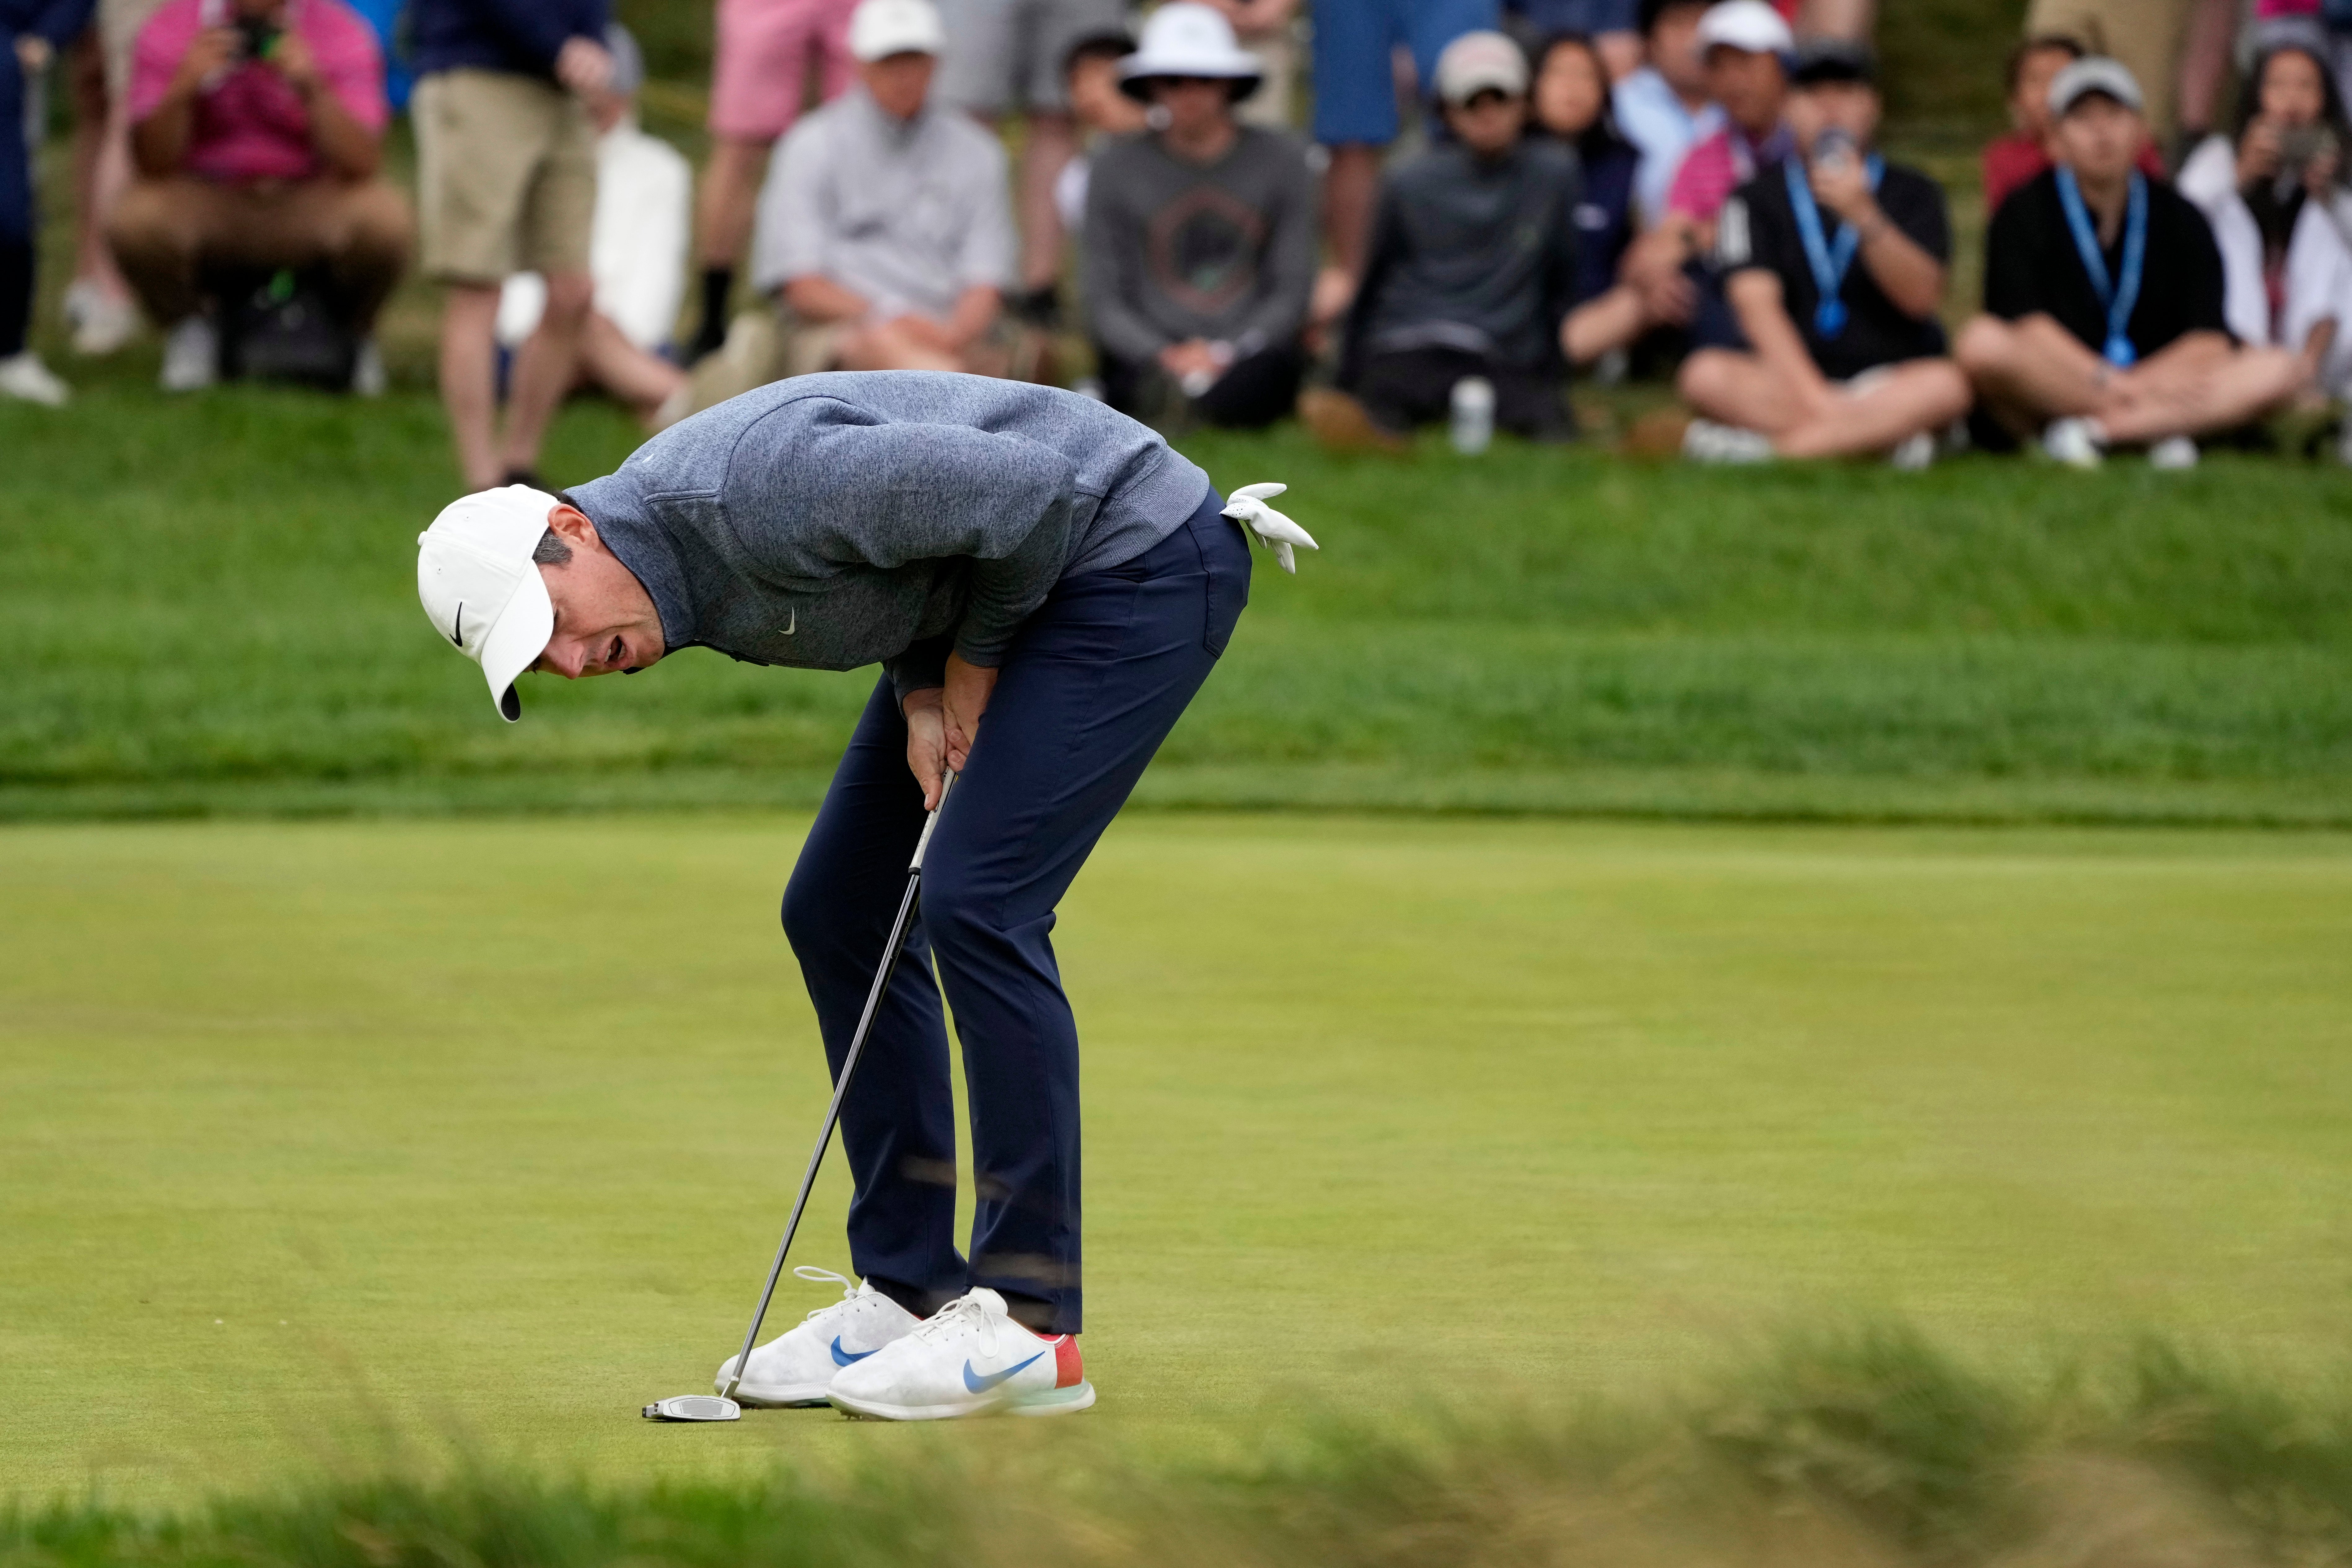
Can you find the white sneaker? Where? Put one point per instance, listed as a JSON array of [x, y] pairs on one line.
[[1707, 442], [191, 356], [2073, 443], [101, 322], [2173, 453], [22, 375], [797, 1366], [368, 377], [1913, 454], [969, 1358]]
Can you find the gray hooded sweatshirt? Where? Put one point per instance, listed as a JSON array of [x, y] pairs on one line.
[[831, 521]]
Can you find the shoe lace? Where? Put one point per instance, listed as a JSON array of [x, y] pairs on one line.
[[963, 1312], [810, 1272]]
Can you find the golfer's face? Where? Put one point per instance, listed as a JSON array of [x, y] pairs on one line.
[[604, 621]]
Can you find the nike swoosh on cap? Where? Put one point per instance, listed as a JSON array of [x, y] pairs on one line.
[[844, 1357], [980, 1384], [457, 625]]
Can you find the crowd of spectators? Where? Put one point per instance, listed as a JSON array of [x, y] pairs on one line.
[[1489, 199]]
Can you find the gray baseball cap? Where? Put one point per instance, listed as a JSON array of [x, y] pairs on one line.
[[2096, 73]]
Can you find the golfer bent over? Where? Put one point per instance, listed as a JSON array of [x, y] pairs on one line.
[[1003, 550]]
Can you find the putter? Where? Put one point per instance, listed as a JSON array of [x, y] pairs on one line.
[[722, 1407]]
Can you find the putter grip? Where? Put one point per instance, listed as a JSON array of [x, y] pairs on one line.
[[946, 782]]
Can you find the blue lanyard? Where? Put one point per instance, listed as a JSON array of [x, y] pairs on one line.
[[1830, 259], [2118, 300]]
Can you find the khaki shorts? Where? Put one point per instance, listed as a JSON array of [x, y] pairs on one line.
[[506, 176], [119, 22]]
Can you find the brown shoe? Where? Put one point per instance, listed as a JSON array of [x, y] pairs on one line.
[[1340, 422], [1658, 434]]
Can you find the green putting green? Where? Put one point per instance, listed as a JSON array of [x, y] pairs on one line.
[[327, 1144]]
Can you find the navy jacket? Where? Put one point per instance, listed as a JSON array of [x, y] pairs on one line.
[[521, 36], [58, 21]]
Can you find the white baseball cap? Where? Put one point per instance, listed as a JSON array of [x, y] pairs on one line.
[[880, 29], [1185, 38], [481, 589], [1750, 26], [1481, 62], [2095, 73]]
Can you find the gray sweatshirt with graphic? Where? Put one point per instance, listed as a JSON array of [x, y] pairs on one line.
[[831, 521]]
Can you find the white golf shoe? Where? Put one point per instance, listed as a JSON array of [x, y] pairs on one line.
[[969, 1358], [798, 1366]]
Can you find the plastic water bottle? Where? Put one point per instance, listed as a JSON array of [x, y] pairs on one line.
[[1474, 414]]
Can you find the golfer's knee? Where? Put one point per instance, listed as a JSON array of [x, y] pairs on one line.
[[956, 915], [812, 918]]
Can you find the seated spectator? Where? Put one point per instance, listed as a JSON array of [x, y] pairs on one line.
[[1835, 263], [1473, 262], [256, 133], [1571, 105], [884, 227], [1746, 45], [2011, 160], [2104, 317], [1663, 107], [2286, 271], [1100, 110], [30, 36], [1199, 239], [1613, 27], [637, 254]]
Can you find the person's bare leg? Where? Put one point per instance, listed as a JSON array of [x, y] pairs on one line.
[[610, 362], [2208, 386], [1911, 399], [1051, 143], [545, 367], [723, 208], [93, 116], [1349, 187], [469, 317], [2031, 371], [1852, 20], [888, 348], [1607, 321], [1738, 389]]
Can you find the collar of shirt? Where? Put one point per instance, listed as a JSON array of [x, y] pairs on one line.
[[617, 508]]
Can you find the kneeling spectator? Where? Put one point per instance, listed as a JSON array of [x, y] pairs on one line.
[[2104, 317], [256, 130], [1835, 264], [2286, 272], [1472, 263], [1570, 104], [1199, 239], [637, 254], [885, 227]]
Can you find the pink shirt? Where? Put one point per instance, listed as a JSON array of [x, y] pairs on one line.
[[250, 122], [1718, 165]]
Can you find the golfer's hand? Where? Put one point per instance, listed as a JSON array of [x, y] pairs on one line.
[[969, 686], [927, 741]]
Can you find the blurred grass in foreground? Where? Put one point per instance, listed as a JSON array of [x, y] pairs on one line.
[[1860, 1446]]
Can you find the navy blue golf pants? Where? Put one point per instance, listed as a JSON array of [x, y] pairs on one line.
[[1092, 685]]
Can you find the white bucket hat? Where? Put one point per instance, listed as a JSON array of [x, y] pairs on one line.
[[480, 588], [880, 29], [1188, 39]]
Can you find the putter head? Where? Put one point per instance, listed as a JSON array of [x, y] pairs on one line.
[[694, 1408]]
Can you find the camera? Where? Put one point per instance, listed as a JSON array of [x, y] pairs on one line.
[[1834, 146], [259, 35]]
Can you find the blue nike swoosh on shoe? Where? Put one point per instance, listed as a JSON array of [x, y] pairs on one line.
[[980, 1384], [844, 1357]]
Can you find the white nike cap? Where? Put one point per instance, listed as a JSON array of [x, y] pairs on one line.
[[481, 589]]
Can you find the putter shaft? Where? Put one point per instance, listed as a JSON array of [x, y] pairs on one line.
[[890, 966]]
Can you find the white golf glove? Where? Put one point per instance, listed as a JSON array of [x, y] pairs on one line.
[[1270, 527]]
